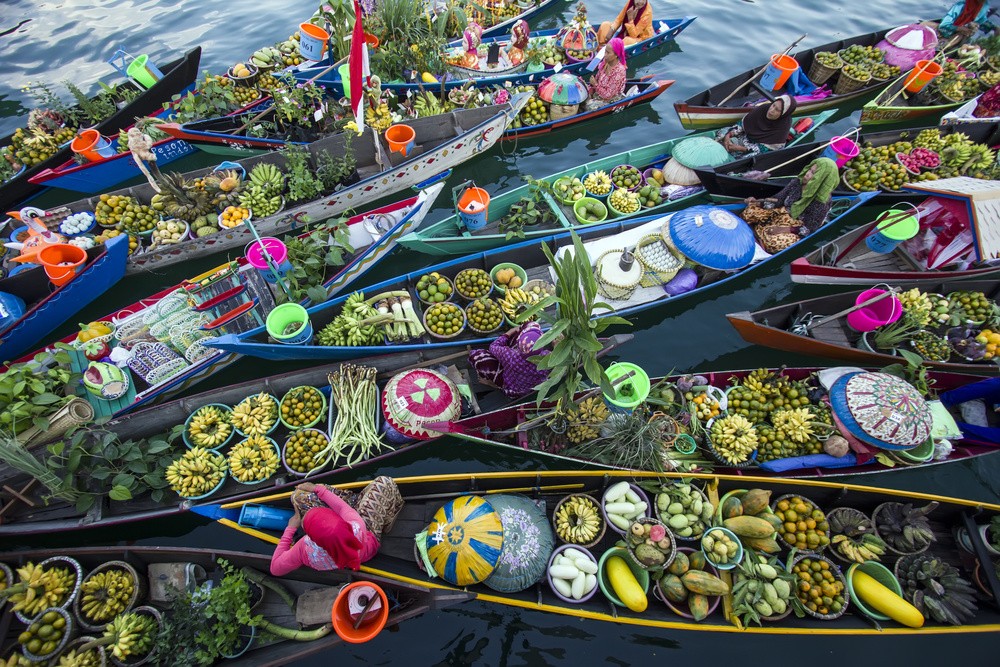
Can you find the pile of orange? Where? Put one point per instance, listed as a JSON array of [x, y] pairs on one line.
[[991, 339], [819, 588], [804, 525], [233, 216]]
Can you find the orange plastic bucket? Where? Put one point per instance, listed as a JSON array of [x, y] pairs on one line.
[[778, 71], [401, 138], [922, 73], [343, 622], [474, 208], [91, 145], [62, 262], [312, 41]]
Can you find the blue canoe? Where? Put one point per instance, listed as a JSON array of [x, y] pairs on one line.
[[48, 308], [529, 256], [666, 31]]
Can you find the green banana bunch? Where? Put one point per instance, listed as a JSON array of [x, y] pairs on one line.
[[130, 634], [105, 594], [268, 177]]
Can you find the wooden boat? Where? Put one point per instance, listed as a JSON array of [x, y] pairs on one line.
[[511, 427], [529, 256], [406, 600], [847, 260], [425, 495], [529, 12], [450, 236], [230, 130], [443, 142], [177, 75], [726, 182], [834, 339], [702, 110], [235, 297], [892, 105], [56, 516], [666, 30], [47, 308]]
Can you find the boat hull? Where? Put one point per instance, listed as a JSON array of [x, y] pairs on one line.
[[885, 108]]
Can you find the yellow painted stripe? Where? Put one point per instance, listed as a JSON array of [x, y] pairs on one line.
[[252, 532]]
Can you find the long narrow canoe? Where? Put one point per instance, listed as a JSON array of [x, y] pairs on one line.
[[230, 131], [451, 237], [442, 142], [728, 182], [426, 495], [847, 260], [510, 428], [247, 287], [835, 340], [529, 256], [406, 601], [47, 308], [178, 75], [666, 30], [894, 106], [702, 110]]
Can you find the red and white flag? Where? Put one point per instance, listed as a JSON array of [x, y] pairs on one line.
[[358, 67]]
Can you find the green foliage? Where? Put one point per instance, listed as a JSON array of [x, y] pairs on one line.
[[214, 98], [312, 255], [333, 172], [301, 181], [403, 21], [92, 110], [528, 211], [33, 391], [337, 17]]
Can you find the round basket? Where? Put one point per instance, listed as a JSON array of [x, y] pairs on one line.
[[593, 194], [68, 631], [642, 498], [846, 177], [465, 323], [848, 84], [660, 516], [451, 295], [241, 224], [669, 535], [635, 170], [471, 298], [774, 618], [86, 230], [79, 642], [732, 536], [276, 421], [278, 452], [483, 332], [619, 291], [850, 514], [140, 660], [57, 561], [556, 193], [889, 546], [813, 507], [555, 554], [284, 455], [659, 262], [8, 577], [244, 81], [839, 575], [616, 213], [598, 204], [208, 494], [139, 586], [750, 462], [518, 271], [545, 286], [819, 73], [225, 409], [603, 520], [681, 608], [319, 415]]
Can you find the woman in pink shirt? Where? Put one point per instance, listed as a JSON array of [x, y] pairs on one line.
[[336, 535], [608, 84]]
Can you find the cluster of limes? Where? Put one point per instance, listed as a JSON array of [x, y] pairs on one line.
[[974, 306], [45, 634], [138, 218], [804, 525], [626, 176], [473, 283], [302, 448], [111, 209], [301, 406], [444, 319], [484, 315]]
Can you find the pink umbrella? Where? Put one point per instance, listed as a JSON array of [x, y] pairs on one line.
[[417, 397]]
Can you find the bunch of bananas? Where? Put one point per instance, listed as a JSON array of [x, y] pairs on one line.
[[597, 182], [515, 302], [131, 634], [916, 305], [426, 104], [353, 327], [585, 422], [77, 658], [268, 177], [255, 415], [259, 199], [196, 472], [869, 547], [930, 139], [39, 588], [379, 118], [733, 438], [209, 426], [904, 527], [794, 424], [106, 594], [578, 520], [253, 460]]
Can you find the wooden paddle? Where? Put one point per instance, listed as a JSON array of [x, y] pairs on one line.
[[760, 72], [855, 130]]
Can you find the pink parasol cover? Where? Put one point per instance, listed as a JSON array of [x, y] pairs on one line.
[[907, 44], [417, 397]]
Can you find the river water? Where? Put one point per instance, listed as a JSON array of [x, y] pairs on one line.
[[73, 39]]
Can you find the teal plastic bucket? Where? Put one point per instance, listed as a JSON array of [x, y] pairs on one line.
[[279, 319], [144, 72], [638, 388], [345, 79], [263, 517], [893, 227]]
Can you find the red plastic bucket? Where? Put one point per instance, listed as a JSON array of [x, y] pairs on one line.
[[344, 620], [922, 73], [778, 71], [62, 262], [871, 317]]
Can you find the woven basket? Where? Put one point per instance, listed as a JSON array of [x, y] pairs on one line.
[[658, 270], [600, 532], [813, 506], [61, 562], [670, 556], [752, 461], [839, 575], [135, 661], [560, 111], [819, 73], [611, 290], [850, 514], [847, 84], [139, 586], [888, 545]]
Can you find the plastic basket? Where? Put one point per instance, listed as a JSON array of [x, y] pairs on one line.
[[198, 350], [276, 421], [681, 608], [642, 497], [628, 167], [465, 323], [555, 554], [739, 553], [68, 632], [664, 517], [888, 545], [135, 661], [58, 561], [161, 374], [602, 519]]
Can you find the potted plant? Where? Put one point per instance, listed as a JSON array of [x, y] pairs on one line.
[[533, 56], [991, 535], [890, 336]]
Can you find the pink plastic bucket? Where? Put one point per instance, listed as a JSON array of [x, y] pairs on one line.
[[871, 317], [841, 150], [279, 255]]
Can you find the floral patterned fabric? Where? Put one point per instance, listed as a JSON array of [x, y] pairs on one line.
[[608, 84], [506, 364]]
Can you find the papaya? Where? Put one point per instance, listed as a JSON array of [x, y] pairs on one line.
[[698, 605], [732, 508], [772, 518], [766, 544], [680, 564], [696, 561], [749, 526], [704, 583], [755, 501], [885, 600], [625, 585], [673, 588]]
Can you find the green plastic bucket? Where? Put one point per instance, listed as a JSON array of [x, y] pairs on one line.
[[144, 72], [879, 573], [639, 384], [284, 315], [893, 227], [641, 575], [922, 453], [345, 79]]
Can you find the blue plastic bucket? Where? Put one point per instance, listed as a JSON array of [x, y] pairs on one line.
[[104, 148], [264, 517], [891, 228], [285, 314]]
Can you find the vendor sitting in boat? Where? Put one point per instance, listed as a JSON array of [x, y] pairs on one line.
[[634, 24], [608, 83], [802, 206], [765, 128], [505, 364], [964, 18]]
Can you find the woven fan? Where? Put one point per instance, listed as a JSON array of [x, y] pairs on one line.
[[618, 274]]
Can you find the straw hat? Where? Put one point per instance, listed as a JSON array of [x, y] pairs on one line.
[[690, 153]]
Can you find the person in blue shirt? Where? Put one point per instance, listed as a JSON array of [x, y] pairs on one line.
[[964, 18]]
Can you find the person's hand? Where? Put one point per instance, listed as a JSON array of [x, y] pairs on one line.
[[630, 15], [296, 519], [308, 487]]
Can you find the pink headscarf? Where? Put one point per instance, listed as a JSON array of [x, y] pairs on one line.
[[334, 535], [618, 46]]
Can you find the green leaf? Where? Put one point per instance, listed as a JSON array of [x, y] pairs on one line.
[[73, 461], [84, 503], [157, 446], [41, 423], [101, 474], [56, 448], [138, 467], [557, 330], [120, 493], [912, 358], [123, 479], [316, 294]]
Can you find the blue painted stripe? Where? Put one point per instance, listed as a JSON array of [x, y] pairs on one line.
[[484, 509], [451, 568], [487, 552]]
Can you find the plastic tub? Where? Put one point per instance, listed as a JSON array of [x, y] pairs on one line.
[[587, 201], [321, 412], [641, 575], [871, 317], [284, 454], [639, 383], [225, 410], [841, 150], [642, 496], [681, 608], [732, 536], [892, 227], [92, 145], [548, 577], [778, 70], [473, 205], [922, 73], [264, 517], [62, 262], [312, 41], [879, 573], [630, 168], [507, 265], [279, 319], [276, 248], [143, 72], [344, 622]]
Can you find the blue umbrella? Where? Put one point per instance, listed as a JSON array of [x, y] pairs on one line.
[[881, 410], [713, 237]]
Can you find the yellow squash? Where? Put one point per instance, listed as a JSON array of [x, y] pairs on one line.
[[881, 599], [625, 585]]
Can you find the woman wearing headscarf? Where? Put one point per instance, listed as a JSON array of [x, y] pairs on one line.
[[506, 363], [336, 537], [809, 197], [765, 128], [964, 18], [608, 83], [634, 24]]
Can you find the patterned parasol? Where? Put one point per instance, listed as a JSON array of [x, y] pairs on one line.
[[907, 44], [563, 88], [527, 543], [464, 540], [713, 237], [881, 410], [417, 397]]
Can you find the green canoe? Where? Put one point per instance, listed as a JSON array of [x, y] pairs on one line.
[[450, 236]]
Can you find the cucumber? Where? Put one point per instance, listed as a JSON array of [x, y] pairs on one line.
[[621, 508], [632, 496], [564, 587], [619, 521], [639, 509], [564, 560], [586, 566], [578, 585], [574, 554], [590, 583], [568, 572], [616, 492]]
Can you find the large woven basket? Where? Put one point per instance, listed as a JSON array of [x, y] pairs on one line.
[[658, 268], [847, 84], [819, 73], [612, 290]]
